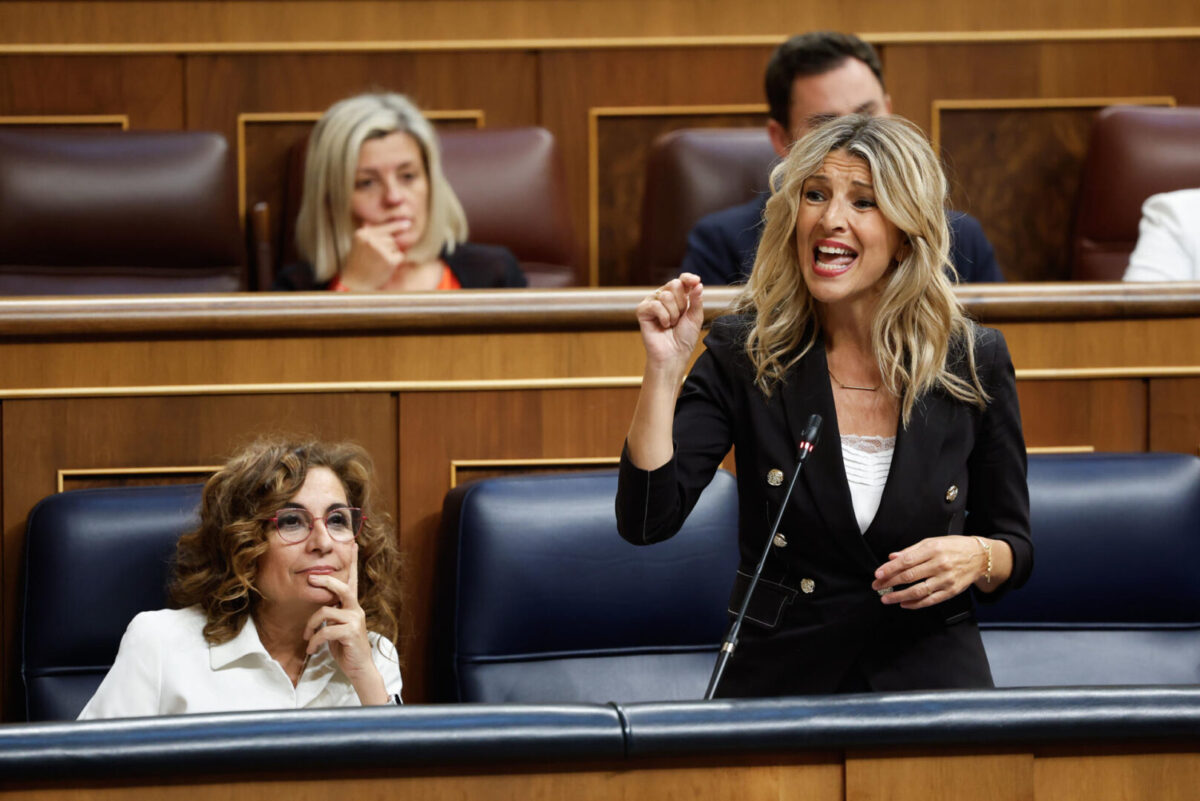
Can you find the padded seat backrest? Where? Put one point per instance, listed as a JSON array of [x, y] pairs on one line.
[[1134, 152], [692, 172], [543, 602], [93, 559], [1113, 598], [118, 212]]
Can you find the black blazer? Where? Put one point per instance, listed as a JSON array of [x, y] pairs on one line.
[[816, 625], [475, 266]]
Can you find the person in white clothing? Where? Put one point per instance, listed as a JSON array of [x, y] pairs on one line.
[[1168, 246], [288, 595]]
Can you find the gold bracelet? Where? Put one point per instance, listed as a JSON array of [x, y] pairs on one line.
[[987, 549]]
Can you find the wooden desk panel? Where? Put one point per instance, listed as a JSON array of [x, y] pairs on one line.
[[428, 381]]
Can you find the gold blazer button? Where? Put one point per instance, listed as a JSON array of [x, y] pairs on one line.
[[807, 586], [779, 541], [775, 477], [951, 493]]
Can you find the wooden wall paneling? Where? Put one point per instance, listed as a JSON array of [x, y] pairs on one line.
[[148, 89], [1018, 164], [1097, 348], [45, 436], [431, 21], [801, 777], [437, 428], [1104, 415], [574, 83], [1175, 415], [949, 775], [1026, 195], [216, 366], [1108, 775], [620, 140], [222, 87]]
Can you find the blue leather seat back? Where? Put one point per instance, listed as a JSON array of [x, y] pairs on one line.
[[1114, 597], [93, 559], [548, 604]]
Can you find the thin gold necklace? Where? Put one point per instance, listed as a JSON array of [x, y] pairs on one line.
[[838, 381]]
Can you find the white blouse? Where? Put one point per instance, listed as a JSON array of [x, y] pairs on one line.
[[867, 461], [165, 667]]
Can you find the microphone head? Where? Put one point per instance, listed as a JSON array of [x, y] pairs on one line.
[[812, 431]]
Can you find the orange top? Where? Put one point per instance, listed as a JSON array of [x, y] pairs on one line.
[[448, 281]]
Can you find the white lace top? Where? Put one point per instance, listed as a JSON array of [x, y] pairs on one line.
[[867, 460]]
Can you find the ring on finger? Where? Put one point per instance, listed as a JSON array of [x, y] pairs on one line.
[[658, 294]]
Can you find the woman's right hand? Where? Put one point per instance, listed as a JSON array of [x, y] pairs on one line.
[[670, 321], [374, 256]]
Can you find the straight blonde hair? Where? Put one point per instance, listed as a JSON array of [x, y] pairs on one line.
[[325, 226], [920, 328]]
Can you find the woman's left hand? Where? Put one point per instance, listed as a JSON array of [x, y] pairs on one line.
[[937, 568], [344, 627]]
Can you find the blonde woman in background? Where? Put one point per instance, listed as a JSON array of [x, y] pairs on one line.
[[378, 213], [915, 501]]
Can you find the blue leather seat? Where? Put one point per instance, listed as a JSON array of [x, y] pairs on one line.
[[93, 559], [1114, 597], [545, 603]]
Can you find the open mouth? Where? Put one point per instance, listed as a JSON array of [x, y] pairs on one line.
[[831, 260]]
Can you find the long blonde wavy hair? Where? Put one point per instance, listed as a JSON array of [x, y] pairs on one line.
[[919, 328], [216, 565]]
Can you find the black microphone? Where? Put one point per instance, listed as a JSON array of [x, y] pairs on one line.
[[807, 442]]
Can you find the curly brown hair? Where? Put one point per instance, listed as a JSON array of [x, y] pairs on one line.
[[217, 564]]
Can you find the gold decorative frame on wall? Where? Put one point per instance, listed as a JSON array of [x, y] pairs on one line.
[[593, 148], [586, 461], [259, 117], [201, 471], [940, 105], [67, 120]]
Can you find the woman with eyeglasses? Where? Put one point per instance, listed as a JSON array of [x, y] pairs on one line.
[[287, 595]]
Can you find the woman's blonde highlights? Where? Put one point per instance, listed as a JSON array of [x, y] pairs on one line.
[[919, 328]]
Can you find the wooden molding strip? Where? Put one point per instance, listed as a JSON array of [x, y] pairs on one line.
[[323, 387], [595, 43], [1148, 372], [995, 104], [251, 314], [67, 120], [119, 472], [1061, 449], [582, 461]]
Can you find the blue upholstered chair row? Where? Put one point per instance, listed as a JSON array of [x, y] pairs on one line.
[[540, 601], [550, 605]]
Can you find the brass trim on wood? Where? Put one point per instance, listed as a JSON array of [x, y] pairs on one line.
[[582, 461], [941, 105], [594, 43], [505, 384], [593, 149], [119, 472], [322, 388], [1044, 449], [1101, 373], [252, 117], [67, 119]]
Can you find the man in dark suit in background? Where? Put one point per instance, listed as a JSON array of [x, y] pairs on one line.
[[810, 79]]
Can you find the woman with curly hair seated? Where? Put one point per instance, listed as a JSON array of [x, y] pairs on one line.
[[286, 596]]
